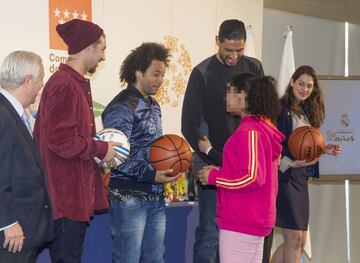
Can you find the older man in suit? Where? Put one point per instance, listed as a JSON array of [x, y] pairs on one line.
[[25, 214]]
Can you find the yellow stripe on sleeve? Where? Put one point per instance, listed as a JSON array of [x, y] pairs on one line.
[[252, 166]]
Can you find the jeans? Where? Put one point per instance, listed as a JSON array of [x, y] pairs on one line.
[[206, 246], [138, 230]]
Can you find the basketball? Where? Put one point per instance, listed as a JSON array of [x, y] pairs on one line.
[[170, 152], [114, 135], [306, 143]]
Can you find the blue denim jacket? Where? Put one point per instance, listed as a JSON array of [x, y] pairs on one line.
[[140, 119]]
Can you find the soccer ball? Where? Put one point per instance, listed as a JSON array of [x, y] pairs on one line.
[[114, 135]]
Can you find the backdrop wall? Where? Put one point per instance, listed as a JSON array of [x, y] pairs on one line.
[[187, 27], [317, 42]]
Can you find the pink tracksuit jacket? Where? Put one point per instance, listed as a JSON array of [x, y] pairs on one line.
[[247, 183]]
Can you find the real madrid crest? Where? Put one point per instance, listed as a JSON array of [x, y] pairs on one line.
[[344, 121]]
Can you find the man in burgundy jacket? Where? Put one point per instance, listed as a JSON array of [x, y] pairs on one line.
[[64, 131]]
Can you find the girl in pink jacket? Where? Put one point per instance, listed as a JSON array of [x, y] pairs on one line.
[[247, 181]]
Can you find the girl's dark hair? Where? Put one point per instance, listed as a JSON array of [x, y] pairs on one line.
[[313, 107], [263, 99], [242, 81], [140, 59]]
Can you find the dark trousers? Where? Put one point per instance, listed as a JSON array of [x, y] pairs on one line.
[[206, 246], [24, 256], [68, 241], [267, 247]]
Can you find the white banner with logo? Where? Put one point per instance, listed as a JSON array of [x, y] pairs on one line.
[[341, 126]]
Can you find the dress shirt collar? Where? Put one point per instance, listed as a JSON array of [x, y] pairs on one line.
[[14, 102]]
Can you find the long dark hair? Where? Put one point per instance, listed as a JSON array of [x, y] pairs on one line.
[[242, 81], [313, 107], [263, 99]]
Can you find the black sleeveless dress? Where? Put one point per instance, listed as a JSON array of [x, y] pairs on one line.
[[292, 206]]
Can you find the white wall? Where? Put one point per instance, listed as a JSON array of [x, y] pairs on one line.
[[127, 24], [328, 225], [194, 23], [354, 49], [317, 42]]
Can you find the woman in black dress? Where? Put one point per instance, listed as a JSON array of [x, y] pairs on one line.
[[301, 105]]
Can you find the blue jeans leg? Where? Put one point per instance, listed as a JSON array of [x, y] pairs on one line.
[[138, 230], [206, 246], [153, 247]]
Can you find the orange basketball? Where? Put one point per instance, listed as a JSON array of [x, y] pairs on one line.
[[306, 143], [170, 152]]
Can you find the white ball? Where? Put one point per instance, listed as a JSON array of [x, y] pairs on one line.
[[114, 135]]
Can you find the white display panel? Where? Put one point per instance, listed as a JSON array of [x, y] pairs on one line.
[[342, 125]]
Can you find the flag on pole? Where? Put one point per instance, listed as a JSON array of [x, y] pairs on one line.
[[287, 66], [250, 44]]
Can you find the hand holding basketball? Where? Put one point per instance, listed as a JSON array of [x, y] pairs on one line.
[[303, 163], [170, 152], [306, 143], [164, 176]]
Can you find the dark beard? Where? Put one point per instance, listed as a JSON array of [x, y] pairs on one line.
[[92, 70]]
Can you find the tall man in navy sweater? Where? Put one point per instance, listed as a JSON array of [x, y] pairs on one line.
[[204, 114]]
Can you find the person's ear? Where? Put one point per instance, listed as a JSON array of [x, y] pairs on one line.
[[138, 74], [27, 80], [292, 82], [217, 40]]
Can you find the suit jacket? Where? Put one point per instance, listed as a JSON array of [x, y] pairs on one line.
[[23, 193]]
